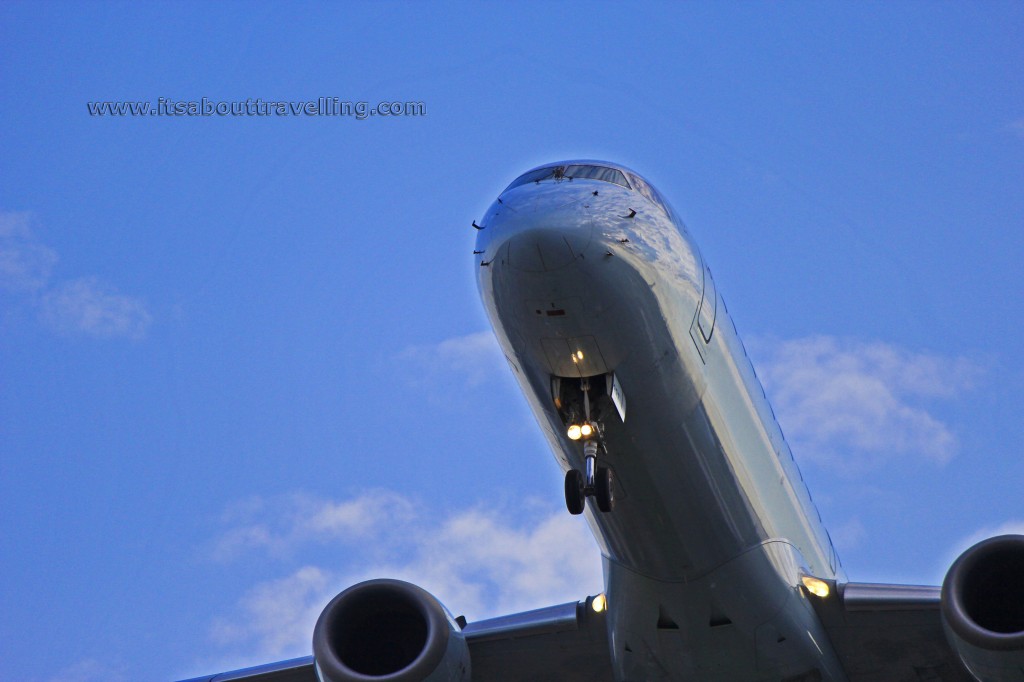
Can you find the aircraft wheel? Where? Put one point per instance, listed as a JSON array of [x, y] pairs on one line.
[[603, 489], [575, 498]]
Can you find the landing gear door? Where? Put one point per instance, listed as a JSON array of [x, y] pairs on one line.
[[618, 397]]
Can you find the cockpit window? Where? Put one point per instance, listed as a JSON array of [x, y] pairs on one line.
[[649, 193], [579, 171], [533, 176], [597, 173]]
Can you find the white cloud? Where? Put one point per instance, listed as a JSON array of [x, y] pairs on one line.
[[279, 614], [477, 561], [80, 306], [283, 524], [849, 535], [471, 359], [90, 670], [25, 263], [95, 309], [482, 564], [855, 405], [955, 549], [1012, 527]]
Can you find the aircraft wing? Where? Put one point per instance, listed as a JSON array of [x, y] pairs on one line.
[[294, 670], [881, 633], [890, 633], [567, 643]]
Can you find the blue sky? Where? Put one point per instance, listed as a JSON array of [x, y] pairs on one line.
[[243, 362]]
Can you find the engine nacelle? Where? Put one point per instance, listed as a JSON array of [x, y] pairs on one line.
[[983, 608], [389, 630]]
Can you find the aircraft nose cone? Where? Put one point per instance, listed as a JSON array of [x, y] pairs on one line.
[[559, 239], [545, 250]]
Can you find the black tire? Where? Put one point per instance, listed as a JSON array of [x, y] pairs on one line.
[[603, 489], [575, 497]]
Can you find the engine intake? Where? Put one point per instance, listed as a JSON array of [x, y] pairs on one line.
[[389, 630], [983, 608]]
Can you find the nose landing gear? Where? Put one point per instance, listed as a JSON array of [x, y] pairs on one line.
[[597, 484], [595, 481]]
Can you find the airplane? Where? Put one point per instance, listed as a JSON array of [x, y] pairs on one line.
[[716, 564]]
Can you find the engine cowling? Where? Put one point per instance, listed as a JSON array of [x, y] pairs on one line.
[[983, 608], [389, 630]]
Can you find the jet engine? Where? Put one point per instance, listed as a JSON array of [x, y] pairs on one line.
[[983, 608], [389, 630]]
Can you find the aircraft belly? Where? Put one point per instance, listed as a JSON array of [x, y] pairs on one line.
[[697, 480], [679, 512], [679, 509], [745, 620]]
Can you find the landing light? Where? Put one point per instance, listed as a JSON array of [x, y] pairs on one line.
[[599, 603], [586, 430], [579, 355], [574, 432], [816, 586]]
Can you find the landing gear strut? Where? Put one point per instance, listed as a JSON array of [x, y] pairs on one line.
[[595, 481]]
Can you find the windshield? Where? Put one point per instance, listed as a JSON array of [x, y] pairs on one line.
[[576, 171]]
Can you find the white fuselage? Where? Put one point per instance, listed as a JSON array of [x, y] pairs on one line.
[[713, 527]]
